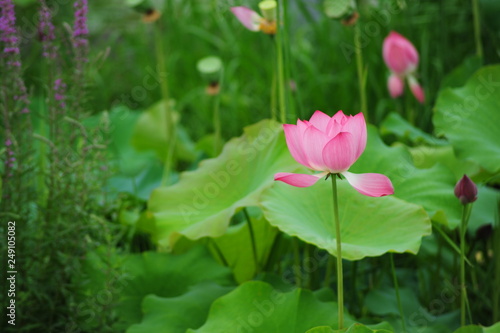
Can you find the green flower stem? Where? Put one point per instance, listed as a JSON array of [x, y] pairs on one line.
[[274, 88], [217, 249], [496, 266], [329, 270], [281, 70], [216, 118], [252, 238], [396, 287], [463, 230], [361, 72], [340, 280], [477, 28], [296, 262], [169, 119]]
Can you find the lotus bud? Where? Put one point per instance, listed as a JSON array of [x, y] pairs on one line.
[[466, 190]]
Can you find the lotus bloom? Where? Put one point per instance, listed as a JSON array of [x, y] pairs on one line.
[[253, 21], [466, 190], [331, 145], [402, 59]]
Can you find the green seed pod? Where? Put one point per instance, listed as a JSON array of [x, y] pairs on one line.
[[268, 9], [210, 68]]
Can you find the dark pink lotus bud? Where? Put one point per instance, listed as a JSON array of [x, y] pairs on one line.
[[466, 190]]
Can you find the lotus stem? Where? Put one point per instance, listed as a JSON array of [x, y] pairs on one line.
[[340, 279], [477, 28], [396, 287], [360, 70], [463, 230], [252, 238], [169, 119], [281, 70]]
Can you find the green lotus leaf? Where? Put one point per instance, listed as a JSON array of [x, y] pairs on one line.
[[177, 314], [150, 133], [395, 124], [469, 118], [159, 274], [236, 244], [203, 201], [369, 226], [258, 308], [432, 188]]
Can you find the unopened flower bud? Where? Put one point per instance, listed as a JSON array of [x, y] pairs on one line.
[[466, 190]]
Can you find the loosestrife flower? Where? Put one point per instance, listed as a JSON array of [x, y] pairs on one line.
[[254, 22], [331, 145], [402, 59], [10, 39], [46, 31], [80, 30]]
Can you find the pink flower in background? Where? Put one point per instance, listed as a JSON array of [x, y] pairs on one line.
[[402, 59], [331, 145], [253, 21]]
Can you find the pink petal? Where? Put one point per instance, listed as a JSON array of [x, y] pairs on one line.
[[249, 18], [298, 179], [370, 184], [399, 54], [416, 89], [340, 152], [293, 135], [340, 117], [395, 84], [357, 127], [314, 141], [320, 120]]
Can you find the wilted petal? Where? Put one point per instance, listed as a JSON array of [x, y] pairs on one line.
[[293, 135], [395, 85], [314, 141], [416, 89], [298, 179], [320, 120], [370, 184], [249, 18], [356, 125], [340, 152]]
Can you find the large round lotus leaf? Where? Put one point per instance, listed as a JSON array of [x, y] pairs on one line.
[[177, 314], [369, 226], [469, 117], [432, 188], [258, 308], [203, 201], [164, 275]]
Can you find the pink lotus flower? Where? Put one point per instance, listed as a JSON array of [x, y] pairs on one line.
[[254, 22], [466, 190], [402, 59], [331, 145]]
